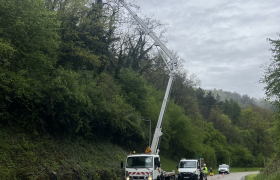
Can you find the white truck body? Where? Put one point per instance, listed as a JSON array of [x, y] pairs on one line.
[[145, 166]]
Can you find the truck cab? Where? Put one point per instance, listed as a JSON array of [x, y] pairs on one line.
[[142, 166], [189, 169], [147, 167]]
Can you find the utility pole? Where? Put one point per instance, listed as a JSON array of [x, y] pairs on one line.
[[229, 161], [150, 131]]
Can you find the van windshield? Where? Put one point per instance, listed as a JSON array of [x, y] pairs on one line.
[[188, 164], [223, 166], [139, 162]]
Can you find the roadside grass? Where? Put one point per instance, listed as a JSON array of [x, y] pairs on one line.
[[272, 171], [215, 170], [263, 176], [245, 169], [251, 177], [27, 156], [168, 165]]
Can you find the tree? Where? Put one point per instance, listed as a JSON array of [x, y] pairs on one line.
[[220, 121], [29, 41], [232, 109], [241, 157], [259, 141], [206, 102], [272, 73], [184, 95], [134, 89], [216, 141], [86, 31], [185, 140]]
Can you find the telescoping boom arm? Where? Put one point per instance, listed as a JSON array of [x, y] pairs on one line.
[[171, 66]]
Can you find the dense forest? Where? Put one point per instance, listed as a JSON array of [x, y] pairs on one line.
[[85, 68]]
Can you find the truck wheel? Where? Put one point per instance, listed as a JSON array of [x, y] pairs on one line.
[[161, 176]]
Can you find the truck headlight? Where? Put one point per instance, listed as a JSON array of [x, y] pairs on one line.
[[150, 175], [126, 173]]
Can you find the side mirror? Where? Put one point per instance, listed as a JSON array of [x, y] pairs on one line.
[[158, 164], [121, 164]]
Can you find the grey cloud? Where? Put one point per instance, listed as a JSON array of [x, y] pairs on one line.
[[223, 42]]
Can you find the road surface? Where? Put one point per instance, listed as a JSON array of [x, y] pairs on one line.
[[231, 176]]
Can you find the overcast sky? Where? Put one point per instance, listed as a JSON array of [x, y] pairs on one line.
[[223, 42]]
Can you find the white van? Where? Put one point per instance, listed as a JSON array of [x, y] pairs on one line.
[[189, 169], [224, 168]]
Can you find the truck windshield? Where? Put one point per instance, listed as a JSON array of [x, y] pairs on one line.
[[187, 164], [139, 162]]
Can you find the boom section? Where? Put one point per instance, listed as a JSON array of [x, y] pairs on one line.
[[153, 36], [171, 66]]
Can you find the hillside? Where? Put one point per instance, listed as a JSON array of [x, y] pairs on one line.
[[272, 170], [29, 156], [73, 80], [244, 100]]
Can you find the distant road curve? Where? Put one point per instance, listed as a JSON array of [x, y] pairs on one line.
[[232, 176]]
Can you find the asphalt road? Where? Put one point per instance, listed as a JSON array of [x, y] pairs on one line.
[[231, 176]]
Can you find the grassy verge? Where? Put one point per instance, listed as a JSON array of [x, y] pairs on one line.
[[262, 176], [272, 171], [215, 171], [25, 156], [251, 177], [244, 169], [168, 165]]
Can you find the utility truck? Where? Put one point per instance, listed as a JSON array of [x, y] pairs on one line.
[[190, 169], [147, 165]]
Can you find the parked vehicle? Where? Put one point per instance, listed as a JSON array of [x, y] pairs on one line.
[[224, 168], [190, 169]]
